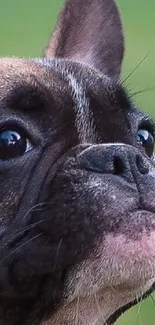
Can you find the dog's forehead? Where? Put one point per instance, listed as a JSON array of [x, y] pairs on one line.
[[27, 83], [21, 71], [50, 72], [57, 74], [94, 102]]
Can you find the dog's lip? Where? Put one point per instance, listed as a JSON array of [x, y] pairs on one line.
[[147, 202], [150, 211], [147, 215]]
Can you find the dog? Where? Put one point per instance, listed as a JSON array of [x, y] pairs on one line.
[[77, 174]]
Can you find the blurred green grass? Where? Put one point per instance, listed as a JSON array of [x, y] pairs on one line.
[[25, 27]]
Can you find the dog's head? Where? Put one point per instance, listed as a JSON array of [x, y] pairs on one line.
[[77, 195]]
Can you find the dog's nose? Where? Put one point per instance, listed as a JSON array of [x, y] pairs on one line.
[[119, 159]]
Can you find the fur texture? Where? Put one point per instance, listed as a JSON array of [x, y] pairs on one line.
[[77, 222]]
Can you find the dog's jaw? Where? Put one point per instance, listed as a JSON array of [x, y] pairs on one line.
[[96, 297], [98, 308]]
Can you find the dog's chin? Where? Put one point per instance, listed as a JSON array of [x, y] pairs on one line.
[[123, 258], [119, 273], [102, 307]]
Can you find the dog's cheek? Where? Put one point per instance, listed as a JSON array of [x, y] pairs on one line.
[[15, 176], [12, 188]]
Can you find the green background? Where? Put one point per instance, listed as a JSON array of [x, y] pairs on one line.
[[25, 26]]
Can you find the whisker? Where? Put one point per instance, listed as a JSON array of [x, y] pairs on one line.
[[33, 207], [152, 298], [77, 312], [57, 252], [138, 312], [31, 226], [142, 91], [137, 66], [99, 310], [140, 318], [19, 247]]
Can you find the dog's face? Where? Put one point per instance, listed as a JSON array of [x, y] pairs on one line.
[[77, 196]]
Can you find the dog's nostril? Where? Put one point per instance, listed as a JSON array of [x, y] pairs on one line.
[[142, 165], [118, 166]]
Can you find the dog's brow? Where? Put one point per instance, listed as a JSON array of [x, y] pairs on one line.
[[25, 97], [122, 98]]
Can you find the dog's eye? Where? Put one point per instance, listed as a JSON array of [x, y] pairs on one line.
[[13, 144], [146, 139]]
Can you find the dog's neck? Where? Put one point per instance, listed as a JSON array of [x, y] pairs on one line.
[[97, 309]]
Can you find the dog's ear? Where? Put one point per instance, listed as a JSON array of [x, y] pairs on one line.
[[90, 32]]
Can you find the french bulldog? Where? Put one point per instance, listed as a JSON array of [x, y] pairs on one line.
[[77, 175]]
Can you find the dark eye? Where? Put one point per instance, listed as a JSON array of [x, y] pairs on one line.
[[13, 144], [146, 139]]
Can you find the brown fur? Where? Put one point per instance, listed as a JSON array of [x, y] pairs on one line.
[[77, 229]]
